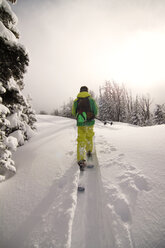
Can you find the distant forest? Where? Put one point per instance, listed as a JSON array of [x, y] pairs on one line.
[[116, 103]]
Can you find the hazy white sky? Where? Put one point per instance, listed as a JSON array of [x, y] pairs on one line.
[[85, 42]]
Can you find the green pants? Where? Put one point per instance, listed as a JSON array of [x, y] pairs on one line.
[[84, 141]]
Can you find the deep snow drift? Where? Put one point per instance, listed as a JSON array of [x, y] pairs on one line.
[[123, 204]]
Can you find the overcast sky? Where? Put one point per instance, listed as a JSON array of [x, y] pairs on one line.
[[85, 42]]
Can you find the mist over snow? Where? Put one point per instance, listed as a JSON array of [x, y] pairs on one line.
[[72, 43]]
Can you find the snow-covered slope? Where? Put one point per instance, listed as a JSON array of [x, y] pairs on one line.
[[124, 201]]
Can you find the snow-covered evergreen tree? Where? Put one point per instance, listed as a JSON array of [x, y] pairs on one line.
[[16, 115], [159, 114], [116, 104], [55, 112], [105, 110], [136, 115], [112, 102], [66, 110]]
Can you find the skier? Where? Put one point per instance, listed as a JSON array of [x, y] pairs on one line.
[[85, 110]]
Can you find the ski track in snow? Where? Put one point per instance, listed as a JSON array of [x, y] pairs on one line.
[[91, 226], [103, 215], [42, 195], [52, 218], [100, 217]]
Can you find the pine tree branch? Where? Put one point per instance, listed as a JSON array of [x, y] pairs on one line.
[[12, 1]]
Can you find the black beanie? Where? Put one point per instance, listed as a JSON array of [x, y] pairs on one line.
[[83, 88]]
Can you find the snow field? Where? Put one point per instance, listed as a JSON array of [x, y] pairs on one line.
[[39, 188], [131, 162], [121, 184], [123, 203]]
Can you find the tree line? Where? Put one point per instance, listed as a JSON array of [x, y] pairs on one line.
[[116, 103]]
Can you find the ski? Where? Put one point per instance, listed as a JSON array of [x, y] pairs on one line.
[[90, 166], [81, 188]]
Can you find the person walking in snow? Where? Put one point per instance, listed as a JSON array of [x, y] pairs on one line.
[[84, 109]]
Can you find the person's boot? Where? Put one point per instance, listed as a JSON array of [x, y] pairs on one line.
[[89, 154], [82, 164]]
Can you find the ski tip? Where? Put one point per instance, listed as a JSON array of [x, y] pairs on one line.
[[81, 189], [90, 166]]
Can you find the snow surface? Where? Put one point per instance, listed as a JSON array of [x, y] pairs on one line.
[[123, 205], [11, 143]]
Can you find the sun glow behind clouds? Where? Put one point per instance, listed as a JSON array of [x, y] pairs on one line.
[[87, 42], [139, 61]]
